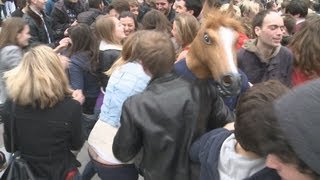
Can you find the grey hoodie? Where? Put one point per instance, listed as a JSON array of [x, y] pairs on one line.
[[10, 57]]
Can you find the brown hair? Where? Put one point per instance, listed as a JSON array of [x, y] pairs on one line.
[[155, 20], [157, 61], [128, 48], [250, 131], [187, 27], [10, 30], [105, 29], [305, 47]]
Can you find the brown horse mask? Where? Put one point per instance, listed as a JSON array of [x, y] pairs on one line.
[[213, 51]]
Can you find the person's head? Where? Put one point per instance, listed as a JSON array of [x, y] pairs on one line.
[[164, 6], [109, 29], [14, 31], [268, 28], [39, 80], [192, 7], [250, 130], [129, 22], [271, 5], [116, 7], [128, 49], [39, 5], [289, 23], [249, 9], [155, 61], [134, 7], [185, 29], [305, 47], [297, 8], [155, 20], [86, 43], [21, 4], [87, 40], [97, 4], [292, 147]]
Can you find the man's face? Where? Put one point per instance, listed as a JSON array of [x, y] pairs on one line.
[[39, 4], [271, 32], [163, 6], [180, 6], [285, 170]]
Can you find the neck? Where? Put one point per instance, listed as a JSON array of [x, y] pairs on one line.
[[33, 8], [241, 151], [263, 50], [199, 70]]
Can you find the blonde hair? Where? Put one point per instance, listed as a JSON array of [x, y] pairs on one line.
[[127, 52], [39, 80], [105, 29]]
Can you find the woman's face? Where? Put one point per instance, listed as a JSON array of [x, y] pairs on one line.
[[128, 25], [24, 36], [175, 33], [119, 31]]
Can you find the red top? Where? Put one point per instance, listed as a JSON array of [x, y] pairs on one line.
[[298, 77], [242, 38]]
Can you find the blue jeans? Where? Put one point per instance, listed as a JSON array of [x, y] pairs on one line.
[[123, 171]]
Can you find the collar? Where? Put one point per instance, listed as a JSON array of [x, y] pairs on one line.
[[106, 46]]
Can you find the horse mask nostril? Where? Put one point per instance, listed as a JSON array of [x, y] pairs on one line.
[[227, 80]]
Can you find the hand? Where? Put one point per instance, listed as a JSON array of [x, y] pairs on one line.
[[78, 96], [63, 43]]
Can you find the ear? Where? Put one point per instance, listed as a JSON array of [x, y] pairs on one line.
[[257, 30], [190, 12]]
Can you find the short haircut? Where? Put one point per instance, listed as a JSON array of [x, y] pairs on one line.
[[194, 5], [158, 61], [289, 22], [257, 21], [119, 6], [155, 20], [94, 3], [250, 130], [296, 7]]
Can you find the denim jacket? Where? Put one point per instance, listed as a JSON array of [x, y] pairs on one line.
[[127, 80]]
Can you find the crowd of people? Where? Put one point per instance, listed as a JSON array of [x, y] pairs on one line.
[[111, 73]]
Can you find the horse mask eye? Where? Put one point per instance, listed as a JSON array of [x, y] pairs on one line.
[[207, 39]]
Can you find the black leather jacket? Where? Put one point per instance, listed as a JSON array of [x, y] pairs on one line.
[[165, 119]]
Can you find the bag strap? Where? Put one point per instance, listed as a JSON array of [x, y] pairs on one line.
[[12, 118]]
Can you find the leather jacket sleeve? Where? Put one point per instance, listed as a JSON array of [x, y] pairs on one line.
[[220, 114], [128, 140]]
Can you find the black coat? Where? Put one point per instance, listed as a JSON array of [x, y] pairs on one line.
[[45, 137], [37, 29], [164, 120]]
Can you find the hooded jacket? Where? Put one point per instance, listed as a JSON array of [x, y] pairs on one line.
[[206, 151], [258, 69]]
